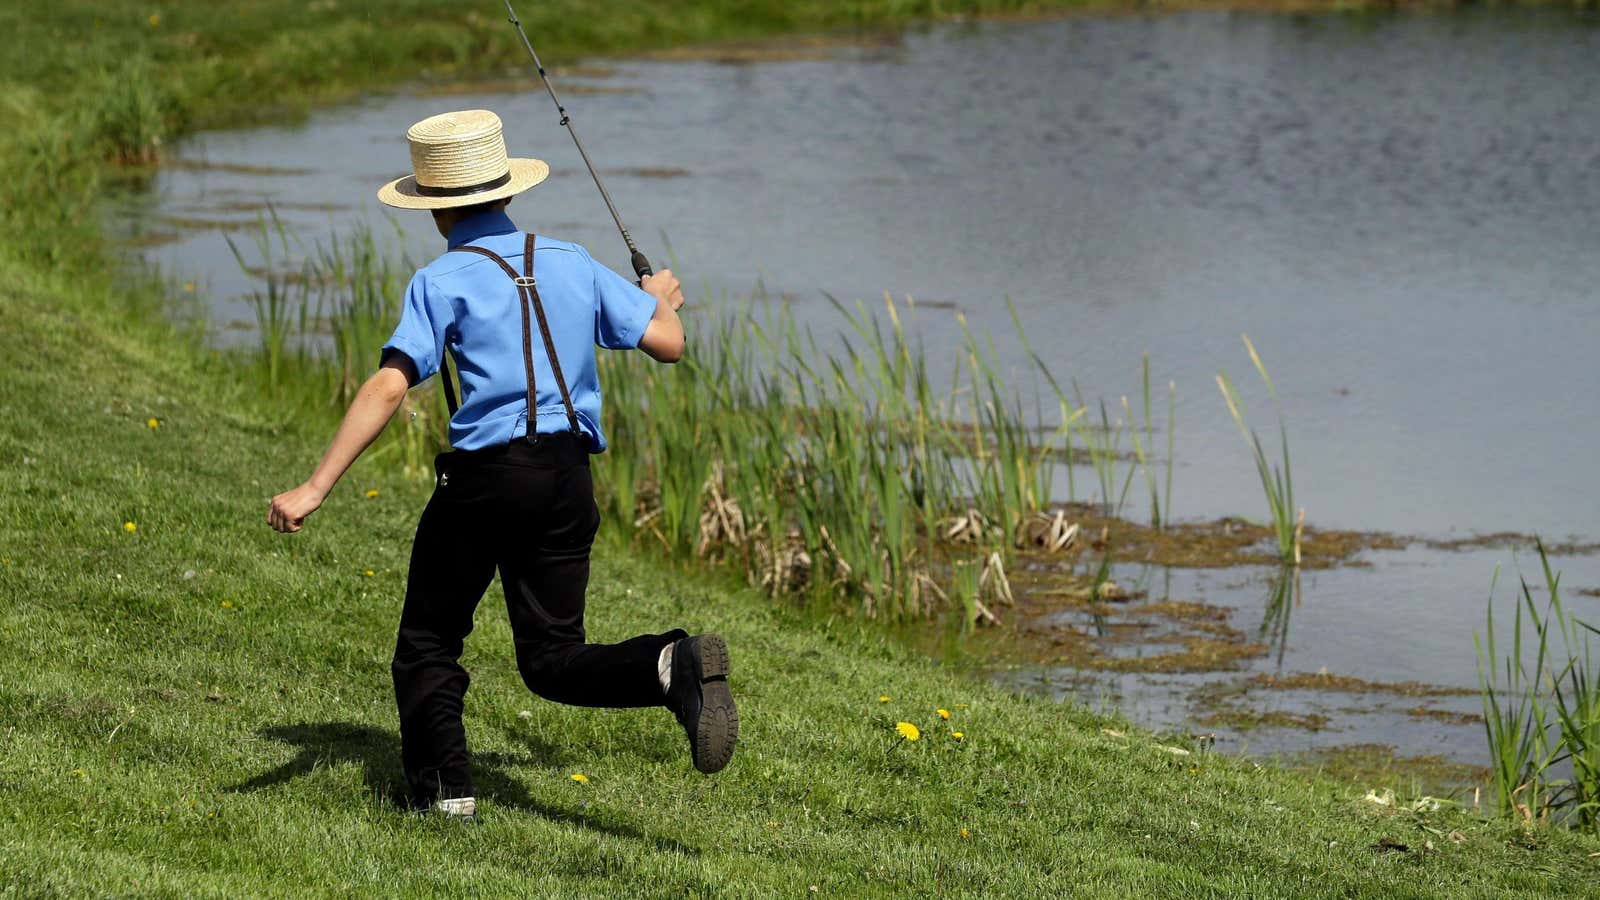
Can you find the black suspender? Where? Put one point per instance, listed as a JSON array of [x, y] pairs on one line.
[[528, 294]]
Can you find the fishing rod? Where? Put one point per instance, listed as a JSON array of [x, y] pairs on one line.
[[641, 266]]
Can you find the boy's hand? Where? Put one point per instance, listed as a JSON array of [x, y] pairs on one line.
[[290, 508], [664, 286]]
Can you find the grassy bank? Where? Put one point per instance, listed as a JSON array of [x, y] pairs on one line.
[[194, 705]]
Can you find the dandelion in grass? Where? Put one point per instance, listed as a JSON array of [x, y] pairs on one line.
[[907, 732], [372, 494], [155, 19], [227, 604], [943, 714], [152, 424], [369, 573], [958, 736], [129, 527], [965, 834], [884, 698], [580, 778], [188, 287]]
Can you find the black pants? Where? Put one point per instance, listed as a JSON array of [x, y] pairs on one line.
[[530, 511]]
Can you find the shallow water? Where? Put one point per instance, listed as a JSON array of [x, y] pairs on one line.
[[1402, 211]]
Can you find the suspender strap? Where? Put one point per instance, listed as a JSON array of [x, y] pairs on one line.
[[528, 295], [532, 291]]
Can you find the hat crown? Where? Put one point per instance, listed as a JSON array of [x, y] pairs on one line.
[[458, 149]]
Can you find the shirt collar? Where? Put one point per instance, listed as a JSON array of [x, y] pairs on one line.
[[494, 221]]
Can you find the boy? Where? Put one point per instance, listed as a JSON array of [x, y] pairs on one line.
[[515, 490]]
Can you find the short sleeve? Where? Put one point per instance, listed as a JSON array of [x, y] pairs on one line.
[[622, 310], [421, 332]]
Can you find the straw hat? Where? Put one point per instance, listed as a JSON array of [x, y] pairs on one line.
[[459, 159]]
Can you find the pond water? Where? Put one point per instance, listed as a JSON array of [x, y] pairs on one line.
[[1403, 212]]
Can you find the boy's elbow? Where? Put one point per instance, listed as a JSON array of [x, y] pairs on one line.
[[663, 343], [389, 385]]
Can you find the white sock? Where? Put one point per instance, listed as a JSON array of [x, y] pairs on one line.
[[457, 806], [664, 667]]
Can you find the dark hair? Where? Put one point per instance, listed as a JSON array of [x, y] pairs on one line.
[[476, 208]]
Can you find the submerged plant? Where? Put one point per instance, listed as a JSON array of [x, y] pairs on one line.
[[1277, 481]]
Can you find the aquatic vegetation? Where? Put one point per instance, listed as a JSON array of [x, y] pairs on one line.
[[1160, 505], [1542, 714], [1277, 481]]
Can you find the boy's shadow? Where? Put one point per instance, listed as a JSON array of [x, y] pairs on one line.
[[377, 750]]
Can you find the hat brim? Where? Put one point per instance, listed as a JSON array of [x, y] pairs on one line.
[[402, 192]]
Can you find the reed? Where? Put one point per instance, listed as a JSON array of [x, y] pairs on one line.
[[828, 468], [1277, 481], [1160, 508], [1542, 717]]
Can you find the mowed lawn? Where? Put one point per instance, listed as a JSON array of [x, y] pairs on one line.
[[192, 704]]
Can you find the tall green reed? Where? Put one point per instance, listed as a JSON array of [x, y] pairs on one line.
[[825, 467], [1277, 481], [1543, 713]]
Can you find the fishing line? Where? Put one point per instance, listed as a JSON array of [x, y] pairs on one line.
[[641, 266]]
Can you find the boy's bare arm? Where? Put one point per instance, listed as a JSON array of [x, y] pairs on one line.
[[663, 338], [373, 407]]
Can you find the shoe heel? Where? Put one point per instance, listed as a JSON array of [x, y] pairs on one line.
[[714, 663]]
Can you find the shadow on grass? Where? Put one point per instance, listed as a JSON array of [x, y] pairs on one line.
[[377, 751]]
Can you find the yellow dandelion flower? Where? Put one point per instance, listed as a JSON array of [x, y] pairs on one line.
[[188, 287], [958, 735], [580, 778], [372, 493], [908, 731], [884, 698], [965, 834], [943, 714], [152, 424], [227, 604], [369, 573], [155, 19], [129, 527], [80, 773]]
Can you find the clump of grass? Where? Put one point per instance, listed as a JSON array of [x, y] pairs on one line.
[[821, 468], [1277, 481], [1541, 715]]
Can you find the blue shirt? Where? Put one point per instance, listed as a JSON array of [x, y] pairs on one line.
[[465, 302]]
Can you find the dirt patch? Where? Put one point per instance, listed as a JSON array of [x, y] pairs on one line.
[[188, 223], [1378, 766], [1447, 716], [1513, 541], [790, 48], [232, 168], [1329, 682], [1246, 719], [1217, 544]]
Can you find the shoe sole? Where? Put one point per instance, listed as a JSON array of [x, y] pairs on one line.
[[718, 729]]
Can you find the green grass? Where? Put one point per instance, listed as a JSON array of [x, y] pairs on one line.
[[232, 732], [199, 706]]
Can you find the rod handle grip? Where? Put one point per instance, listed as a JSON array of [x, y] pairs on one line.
[[641, 266]]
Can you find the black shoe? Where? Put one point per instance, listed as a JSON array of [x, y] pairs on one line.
[[700, 699]]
